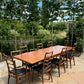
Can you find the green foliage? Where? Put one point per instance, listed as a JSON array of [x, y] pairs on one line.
[[20, 27], [23, 30], [40, 27], [4, 29], [12, 34], [6, 48], [79, 28], [37, 41], [33, 27], [33, 10], [30, 45], [45, 13], [50, 11], [54, 6], [57, 26], [42, 33], [74, 9], [79, 34], [60, 41], [80, 44]]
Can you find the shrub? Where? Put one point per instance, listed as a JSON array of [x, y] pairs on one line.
[[57, 26], [6, 48], [43, 33], [12, 34], [79, 34], [36, 27]]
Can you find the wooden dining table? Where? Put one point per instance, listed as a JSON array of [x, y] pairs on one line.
[[38, 55]]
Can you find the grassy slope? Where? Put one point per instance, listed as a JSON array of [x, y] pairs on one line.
[[61, 34]]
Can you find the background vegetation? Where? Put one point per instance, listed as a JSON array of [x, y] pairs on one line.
[[26, 20]]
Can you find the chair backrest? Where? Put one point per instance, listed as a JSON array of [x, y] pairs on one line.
[[50, 43], [13, 53], [0, 56], [63, 54], [32, 50], [68, 42], [47, 61], [23, 49], [75, 45], [73, 52], [39, 45], [10, 64]]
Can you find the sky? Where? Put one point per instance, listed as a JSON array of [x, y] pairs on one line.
[[40, 4], [59, 18]]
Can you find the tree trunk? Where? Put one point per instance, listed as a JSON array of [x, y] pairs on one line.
[[52, 30], [15, 40], [72, 27], [33, 35]]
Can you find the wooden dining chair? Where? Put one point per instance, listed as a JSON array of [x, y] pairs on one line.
[[1, 56], [71, 56], [16, 52], [68, 43], [60, 60], [19, 73], [24, 49], [50, 43], [45, 67], [39, 45], [32, 50]]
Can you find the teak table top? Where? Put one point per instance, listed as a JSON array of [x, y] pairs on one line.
[[38, 55]]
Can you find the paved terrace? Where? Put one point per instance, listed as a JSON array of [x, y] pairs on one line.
[[74, 75]]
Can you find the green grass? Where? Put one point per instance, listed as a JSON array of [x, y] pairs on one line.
[[61, 34]]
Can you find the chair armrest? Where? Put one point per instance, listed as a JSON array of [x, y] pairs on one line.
[[22, 67]]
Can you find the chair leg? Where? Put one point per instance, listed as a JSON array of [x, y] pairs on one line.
[[16, 80], [29, 78], [26, 76], [64, 67], [66, 62], [70, 64], [32, 75], [59, 70], [22, 63], [74, 61], [8, 78], [42, 79], [51, 76]]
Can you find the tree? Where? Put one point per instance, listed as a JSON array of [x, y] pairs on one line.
[[1, 9], [54, 7], [79, 34], [74, 9], [45, 13], [33, 10]]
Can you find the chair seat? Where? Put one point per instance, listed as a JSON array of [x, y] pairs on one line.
[[40, 67], [56, 61], [69, 54], [29, 65], [20, 71]]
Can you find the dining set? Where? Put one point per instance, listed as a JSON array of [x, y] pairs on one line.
[[41, 61]]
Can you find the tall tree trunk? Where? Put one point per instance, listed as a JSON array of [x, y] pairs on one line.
[[52, 30], [15, 39], [73, 23], [33, 35]]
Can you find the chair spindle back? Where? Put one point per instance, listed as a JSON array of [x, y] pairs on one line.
[[47, 61]]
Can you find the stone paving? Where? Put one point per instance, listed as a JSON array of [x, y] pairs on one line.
[[74, 75]]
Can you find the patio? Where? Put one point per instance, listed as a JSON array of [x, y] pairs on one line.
[[73, 75]]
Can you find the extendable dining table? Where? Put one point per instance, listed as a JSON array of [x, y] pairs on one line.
[[38, 55]]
